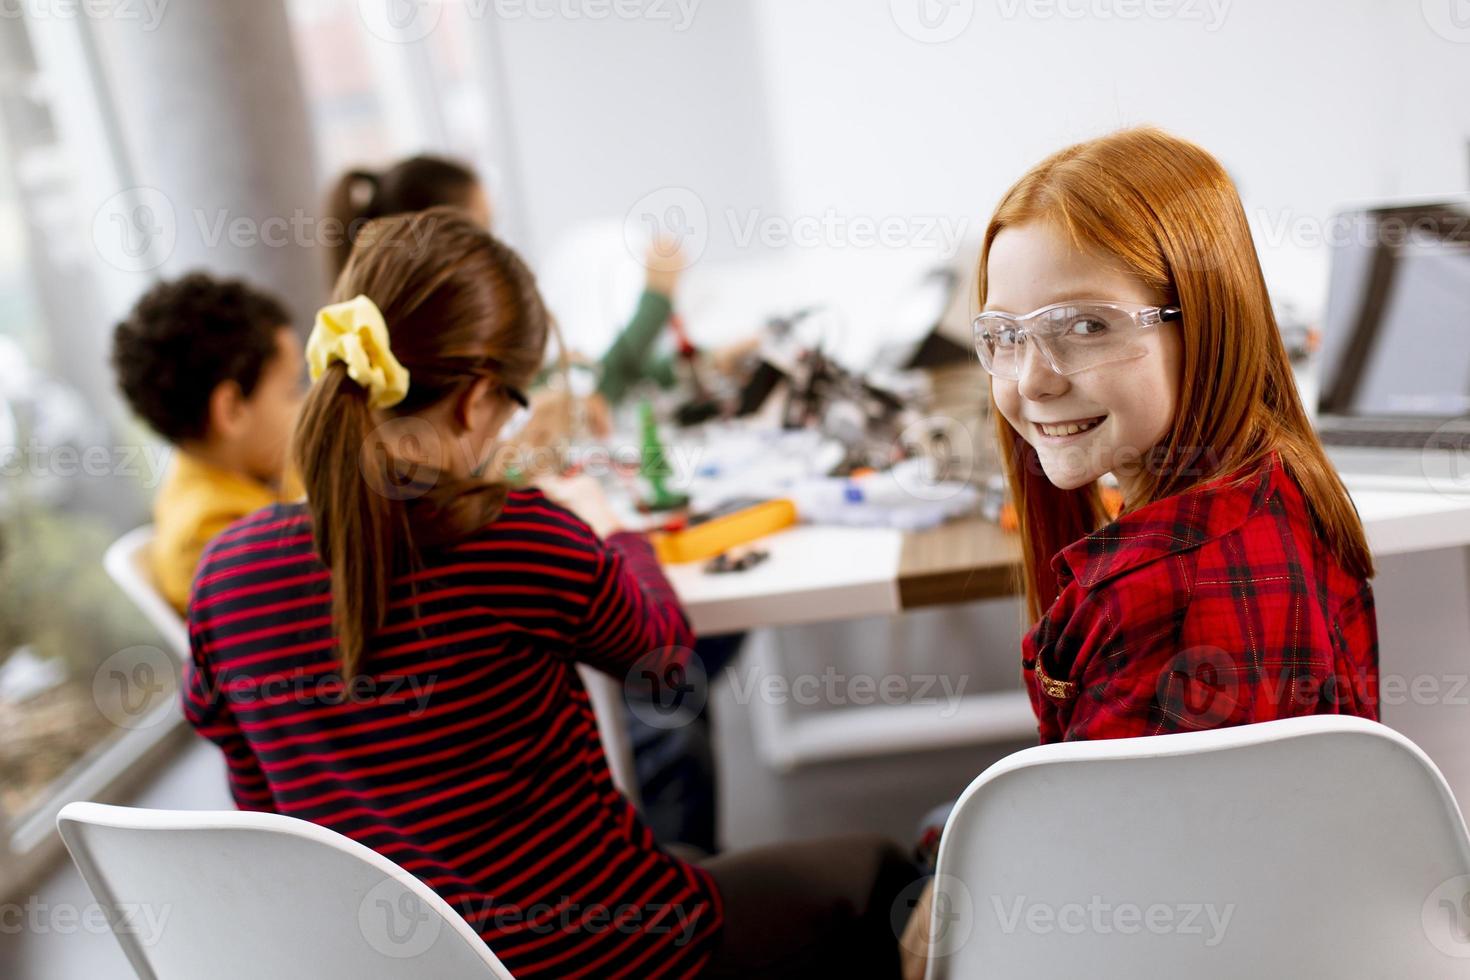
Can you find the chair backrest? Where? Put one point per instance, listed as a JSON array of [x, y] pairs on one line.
[[1310, 847], [608, 707], [129, 564], [239, 896]]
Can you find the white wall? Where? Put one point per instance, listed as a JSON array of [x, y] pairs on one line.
[[826, 119], [606, 111], [1309, 105]]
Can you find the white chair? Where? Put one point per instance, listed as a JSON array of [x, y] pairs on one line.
[[606, 695], [128, 563], [1310, 847], [239, 896]]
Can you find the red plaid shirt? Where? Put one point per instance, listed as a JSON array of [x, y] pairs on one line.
[[1210, 608]]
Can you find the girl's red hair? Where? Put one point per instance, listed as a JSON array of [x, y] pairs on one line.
[[1168, 210]]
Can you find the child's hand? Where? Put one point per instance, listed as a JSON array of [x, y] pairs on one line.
[[730, 359], [557, 417], [913, 946], [584, 497], [664, 260]]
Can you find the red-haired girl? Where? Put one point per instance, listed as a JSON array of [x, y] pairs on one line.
[[1127, 331]]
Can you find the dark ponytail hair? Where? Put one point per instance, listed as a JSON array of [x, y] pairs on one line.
[[459, 305], [415, 184]]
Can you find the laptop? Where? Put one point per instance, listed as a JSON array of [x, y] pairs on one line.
[[1394, 401]]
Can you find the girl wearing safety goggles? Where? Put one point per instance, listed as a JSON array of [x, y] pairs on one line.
[[1126, 328]]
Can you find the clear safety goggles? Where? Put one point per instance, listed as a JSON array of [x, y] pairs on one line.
[[1072, 336]]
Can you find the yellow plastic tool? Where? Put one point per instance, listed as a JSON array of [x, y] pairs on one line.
[[717, 536]]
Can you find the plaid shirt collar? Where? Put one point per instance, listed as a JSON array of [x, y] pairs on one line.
[[1165, 527]]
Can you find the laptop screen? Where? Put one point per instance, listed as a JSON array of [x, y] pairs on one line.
[[1396, 338]]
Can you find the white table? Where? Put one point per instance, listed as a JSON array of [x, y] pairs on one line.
[[819, 574], [825, 574]]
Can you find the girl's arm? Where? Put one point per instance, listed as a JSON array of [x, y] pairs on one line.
[[633, 619], [207, 708]]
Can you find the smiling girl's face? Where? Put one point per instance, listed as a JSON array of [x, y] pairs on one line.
[[1034, 265]]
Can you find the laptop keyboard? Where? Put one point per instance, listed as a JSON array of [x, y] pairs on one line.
[[1408, 439]]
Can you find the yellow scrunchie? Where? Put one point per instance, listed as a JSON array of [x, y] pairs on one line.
[[355, 334]]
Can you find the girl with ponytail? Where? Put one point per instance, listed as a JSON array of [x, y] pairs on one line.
[[675, 767], [395, 658]]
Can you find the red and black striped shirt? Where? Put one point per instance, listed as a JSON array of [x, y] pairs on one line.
[[466, 750]]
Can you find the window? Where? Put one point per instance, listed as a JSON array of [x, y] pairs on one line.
[[70, 480], [375, 100]]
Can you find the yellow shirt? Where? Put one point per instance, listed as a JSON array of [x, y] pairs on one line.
[[196, 502]]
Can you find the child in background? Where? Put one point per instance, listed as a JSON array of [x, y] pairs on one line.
[[214, 367], [421, 182], [415, 184]]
